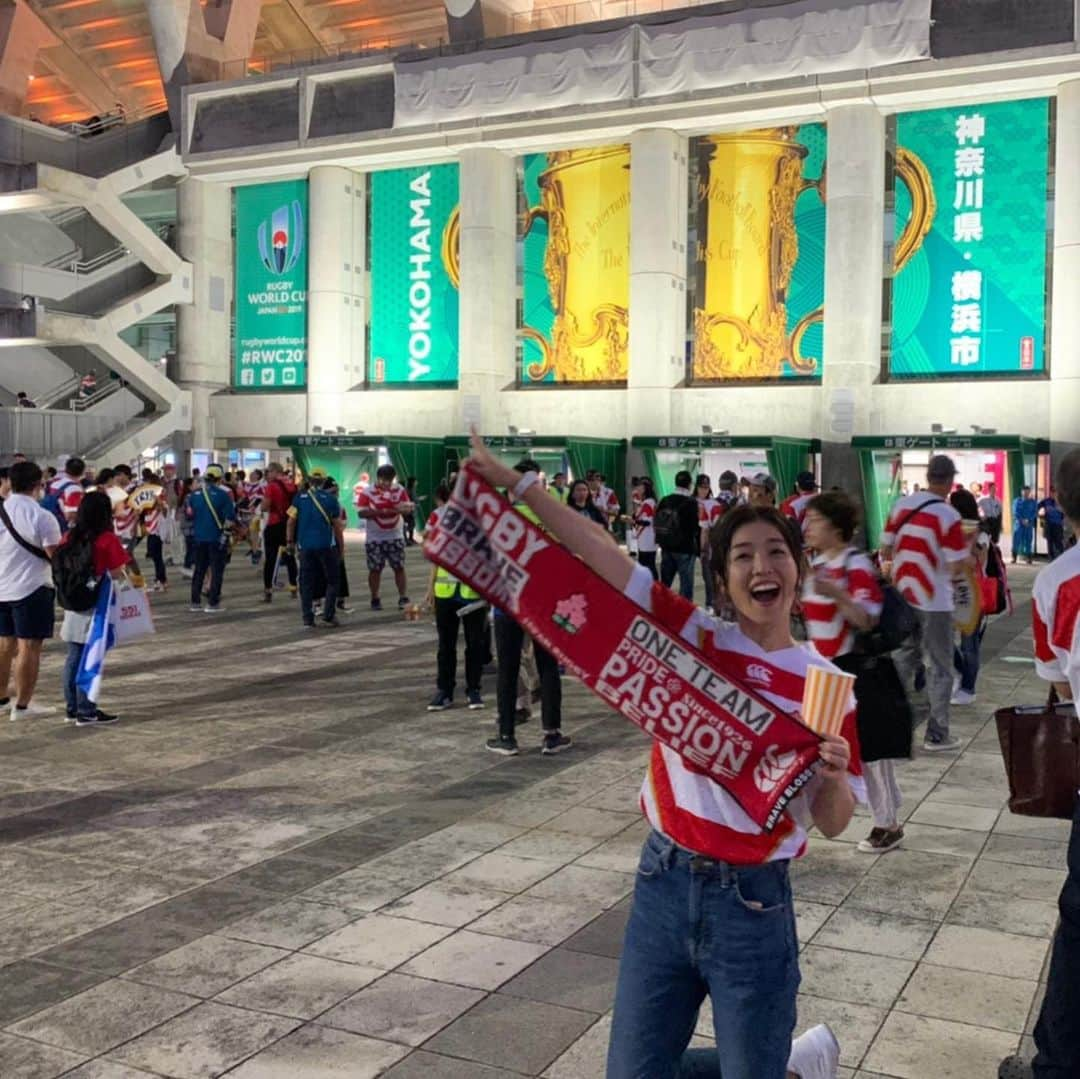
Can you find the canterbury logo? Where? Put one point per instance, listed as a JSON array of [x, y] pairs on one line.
[[757, 673], [769, 772]]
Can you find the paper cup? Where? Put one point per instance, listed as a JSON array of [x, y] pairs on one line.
[[826, 698]]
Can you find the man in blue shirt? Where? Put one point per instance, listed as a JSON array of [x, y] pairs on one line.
[[211, 510], [314, 523], [1024, 511], [1053, 517]]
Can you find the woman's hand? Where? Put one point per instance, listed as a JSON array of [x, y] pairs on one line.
[[830, 589], [489, 466], [835, 757]]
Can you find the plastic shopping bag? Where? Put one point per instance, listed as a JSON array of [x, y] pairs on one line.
[[130, 614]]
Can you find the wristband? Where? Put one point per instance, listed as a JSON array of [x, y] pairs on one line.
[[524, 484]]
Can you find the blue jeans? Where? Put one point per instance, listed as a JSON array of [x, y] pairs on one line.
[[966, 657], [209, 555], [701, 928], [77, 701], [672, 563], [1057, 1033]]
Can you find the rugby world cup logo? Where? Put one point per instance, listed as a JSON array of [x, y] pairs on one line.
[[281, 239]]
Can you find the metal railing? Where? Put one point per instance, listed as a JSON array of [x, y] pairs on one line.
[[81, 404], [120, 117], [59, 393]]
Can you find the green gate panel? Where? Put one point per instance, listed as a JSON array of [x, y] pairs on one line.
[[787, 457], [345, 466], [424, 458]]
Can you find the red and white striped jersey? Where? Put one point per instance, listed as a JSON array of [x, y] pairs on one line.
[[929, 541], [798, 507], [829, 631], [1056, 620], [644, 513], [682, 801], [709, 511]]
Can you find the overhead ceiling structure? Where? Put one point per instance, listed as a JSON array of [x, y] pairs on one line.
[[68, 60]]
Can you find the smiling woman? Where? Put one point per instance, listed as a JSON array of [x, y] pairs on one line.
[[708, 873]]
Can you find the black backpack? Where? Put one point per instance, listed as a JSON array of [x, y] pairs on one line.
[[676, 524], [896, 624], [77, 586]]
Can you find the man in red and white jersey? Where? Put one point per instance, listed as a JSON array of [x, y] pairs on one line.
[[796, 507], [604, 498], [381, 507], [1056, 602], [924, 542], [67, 489]]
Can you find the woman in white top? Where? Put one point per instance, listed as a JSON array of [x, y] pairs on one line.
[[713, 912]]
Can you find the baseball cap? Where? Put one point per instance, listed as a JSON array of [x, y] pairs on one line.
[[317, 474], [214, 470], [941, 467], [763, 479], [805, 481]]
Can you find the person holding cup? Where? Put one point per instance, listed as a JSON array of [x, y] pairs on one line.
[[707, 873]]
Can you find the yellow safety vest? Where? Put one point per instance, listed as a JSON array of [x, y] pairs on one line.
[[447, 585]]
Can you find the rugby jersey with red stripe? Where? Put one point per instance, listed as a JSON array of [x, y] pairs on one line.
[[927, 544], [829, 631], [680, 800], [1056, 620]]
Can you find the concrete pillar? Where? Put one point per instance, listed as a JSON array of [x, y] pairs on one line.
[[488, 295], [203, 337], [1065, 313], [854, 238], [658, 208], [336, 290]]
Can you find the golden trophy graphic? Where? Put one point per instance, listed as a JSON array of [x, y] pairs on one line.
[[585, 200], [747, 192]]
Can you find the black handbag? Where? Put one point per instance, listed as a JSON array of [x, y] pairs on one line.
[[883, 717]]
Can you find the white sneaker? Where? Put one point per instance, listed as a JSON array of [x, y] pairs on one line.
[[188, 573], [31, 711], [961, 696], [815, 1054]]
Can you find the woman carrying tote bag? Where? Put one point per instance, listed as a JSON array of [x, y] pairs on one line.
[[842, 598]]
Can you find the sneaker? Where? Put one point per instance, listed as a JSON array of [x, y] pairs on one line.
[[1015, 1068], [196, 608], [70, 716], [309, 625], [105, 717], [815, 1054], [402, 602], [86, 721], [505, 747], [268, 597], [343, 606], [476, 702], [31, 711], [332, 622], [213, 610], [944, 745], [881, 840], [376, 603], [155, 587], [439, 703], [961, 696], [555, 742], [188, 573]]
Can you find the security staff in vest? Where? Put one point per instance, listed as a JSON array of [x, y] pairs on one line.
[[455, 605], [314, 524]]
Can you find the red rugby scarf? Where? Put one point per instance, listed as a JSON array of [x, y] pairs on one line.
[[760, 755]]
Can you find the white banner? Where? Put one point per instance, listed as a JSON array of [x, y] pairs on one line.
[[813, 37]]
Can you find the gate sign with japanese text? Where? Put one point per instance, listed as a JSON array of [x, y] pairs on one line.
[[270, 344], [969, 291]]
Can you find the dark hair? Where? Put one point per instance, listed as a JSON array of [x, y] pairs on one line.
[[5, 472], [385, 472], [1067, 485], [93, 518], [147, 475], [25, 476], [526, 464], [684, 479], [648, 489], [703, 479], [723, 535], [963, 501], [442, 491], [75, 467], [104, 476], [125, 469], [839, 509]]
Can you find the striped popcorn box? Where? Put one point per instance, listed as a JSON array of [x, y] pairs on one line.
[[826, 699]]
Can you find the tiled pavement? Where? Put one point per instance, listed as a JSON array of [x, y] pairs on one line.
[[279, 864]]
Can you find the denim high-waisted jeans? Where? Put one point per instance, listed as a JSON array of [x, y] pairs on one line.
[[700, 927]]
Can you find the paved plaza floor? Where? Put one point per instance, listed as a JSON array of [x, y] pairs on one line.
[[280, 865]]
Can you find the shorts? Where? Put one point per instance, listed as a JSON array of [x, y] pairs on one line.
[[379, 552], [30, 618]]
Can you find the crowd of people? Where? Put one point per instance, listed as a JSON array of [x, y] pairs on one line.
[[785, 588]]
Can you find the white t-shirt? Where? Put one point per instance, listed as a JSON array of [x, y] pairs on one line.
[[20, 571], [1056, 618]]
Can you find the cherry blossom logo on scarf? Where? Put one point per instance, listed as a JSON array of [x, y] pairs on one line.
[[769, 772], [570, 613]]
